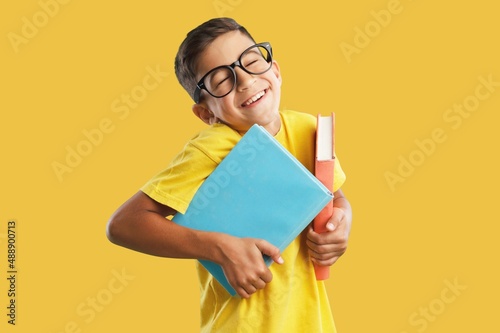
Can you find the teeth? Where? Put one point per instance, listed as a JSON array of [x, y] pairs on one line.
[[254, 98]]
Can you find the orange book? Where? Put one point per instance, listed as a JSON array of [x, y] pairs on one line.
[[323, 170]]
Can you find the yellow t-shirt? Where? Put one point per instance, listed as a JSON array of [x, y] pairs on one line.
[[294, 301]]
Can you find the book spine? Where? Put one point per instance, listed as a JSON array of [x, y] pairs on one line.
[[324, 172]]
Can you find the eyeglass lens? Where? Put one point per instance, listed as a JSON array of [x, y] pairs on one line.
[[222, 80]]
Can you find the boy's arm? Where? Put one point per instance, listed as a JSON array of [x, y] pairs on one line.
[[326, 248], [140, 224]]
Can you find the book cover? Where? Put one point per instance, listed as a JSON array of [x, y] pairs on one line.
[[259, 190], [324, 170]]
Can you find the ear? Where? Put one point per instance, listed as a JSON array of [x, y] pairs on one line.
[[276, 70], [204, 114]]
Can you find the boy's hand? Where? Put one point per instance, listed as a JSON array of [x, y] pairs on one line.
[[244, 265], [326, 248]]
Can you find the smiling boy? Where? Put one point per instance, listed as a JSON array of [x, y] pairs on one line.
[[235, 83]]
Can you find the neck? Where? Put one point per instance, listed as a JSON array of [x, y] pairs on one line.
[[273, 126]]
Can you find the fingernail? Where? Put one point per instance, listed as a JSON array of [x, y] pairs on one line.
[[280, 260], [330, 226]]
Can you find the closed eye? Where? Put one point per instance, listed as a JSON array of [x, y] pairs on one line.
[[222, 81]]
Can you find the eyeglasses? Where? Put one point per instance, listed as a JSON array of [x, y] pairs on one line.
[[220, 81]]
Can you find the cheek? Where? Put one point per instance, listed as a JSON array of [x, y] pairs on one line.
[[214, 105], [276, 76], [275, 72], [275, 80], [278, 82], [220, 106]]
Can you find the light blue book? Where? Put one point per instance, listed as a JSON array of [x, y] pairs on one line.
[[259, 190]]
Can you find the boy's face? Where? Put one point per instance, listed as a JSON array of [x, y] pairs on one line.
[[234, 109]]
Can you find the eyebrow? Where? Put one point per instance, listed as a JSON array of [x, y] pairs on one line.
[[199, 62]]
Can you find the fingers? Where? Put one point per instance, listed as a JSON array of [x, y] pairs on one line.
[[248, 272], [325, 257], [324, 260], [329, 242], [337, 219], [326, 248], [330, 226], [255, 282], [270, 250]]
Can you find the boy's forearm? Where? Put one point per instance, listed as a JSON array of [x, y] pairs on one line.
[[151, 233], [163, 238]]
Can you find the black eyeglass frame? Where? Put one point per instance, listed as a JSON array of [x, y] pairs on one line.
[[201, 85]]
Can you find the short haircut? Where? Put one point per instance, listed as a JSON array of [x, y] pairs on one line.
[[195, 43]]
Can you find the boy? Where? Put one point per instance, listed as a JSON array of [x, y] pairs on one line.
[[235, 83]]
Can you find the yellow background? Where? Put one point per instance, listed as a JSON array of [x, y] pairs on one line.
[[438, 225]]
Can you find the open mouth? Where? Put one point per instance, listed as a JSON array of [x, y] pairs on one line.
[[254, 98]]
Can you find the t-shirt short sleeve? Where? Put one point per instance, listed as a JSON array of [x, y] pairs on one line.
[[176, 185], [339, 176]]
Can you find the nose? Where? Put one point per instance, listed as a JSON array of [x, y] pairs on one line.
[[244, 80]]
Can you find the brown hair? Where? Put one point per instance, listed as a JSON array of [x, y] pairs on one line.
[[195, 43]]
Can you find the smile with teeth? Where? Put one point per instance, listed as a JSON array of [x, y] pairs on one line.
[[254, 98]]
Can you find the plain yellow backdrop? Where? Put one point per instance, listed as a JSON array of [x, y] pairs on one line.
[[91, 109]]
